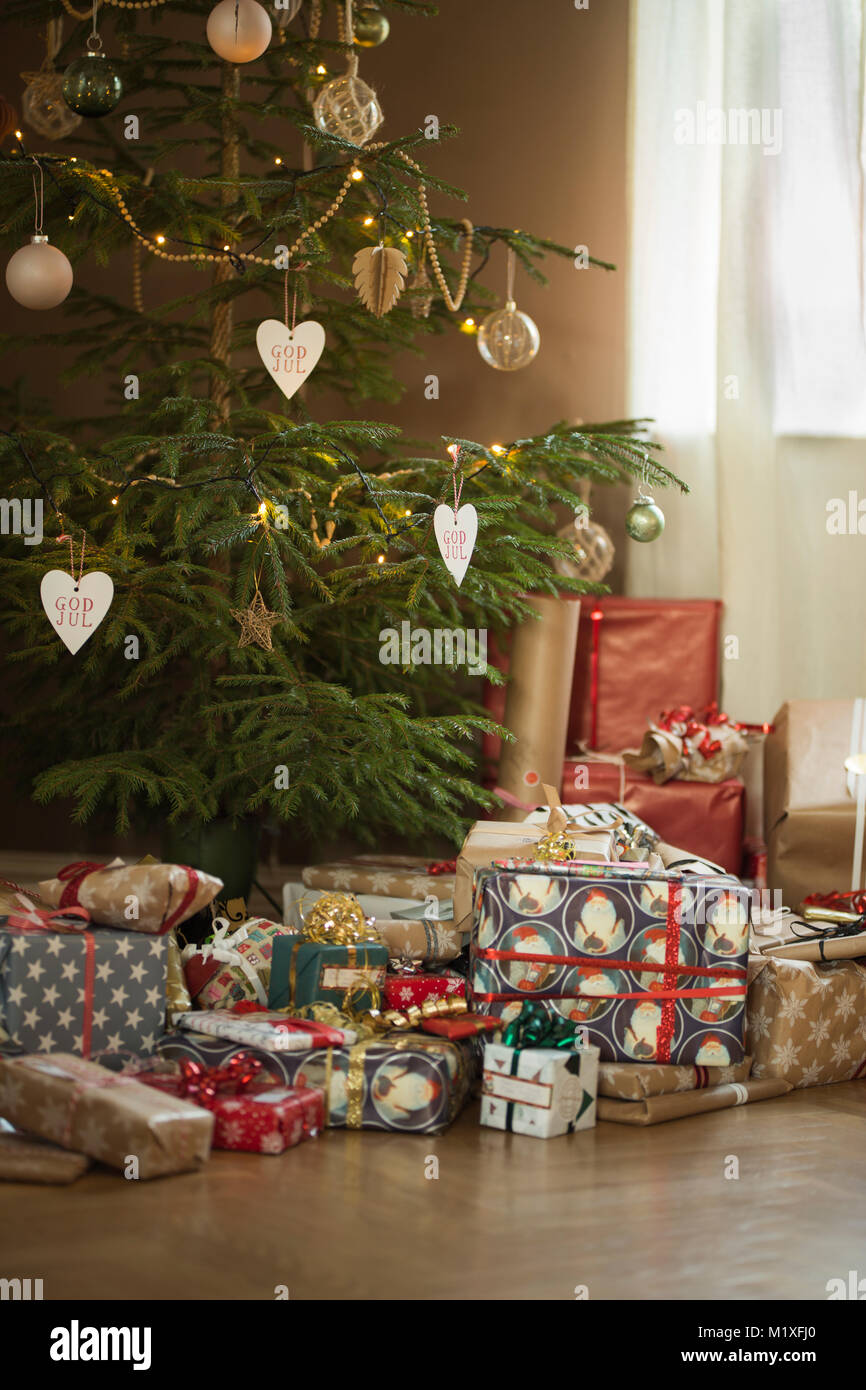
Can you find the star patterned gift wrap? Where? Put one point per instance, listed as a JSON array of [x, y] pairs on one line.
[[87, 992], [263, 1119], [541, 1091], [109, 1115], [807, 1021], [402, 991], [413, 1083], [651, 964]]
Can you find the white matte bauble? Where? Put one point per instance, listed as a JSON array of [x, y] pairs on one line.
[[39, 276], [239, 30], [508, 339], [348, 107]]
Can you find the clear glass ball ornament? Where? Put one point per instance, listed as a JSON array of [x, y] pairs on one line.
[[644, 520], [39, 276], [92, 85], [348, 107], [43, 107], [593, 551], [508, 339]]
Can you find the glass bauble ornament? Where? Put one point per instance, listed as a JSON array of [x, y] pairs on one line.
[[239, 30], [92, 85], [593, 551], [39, 276], [348, 107], [370, 25], [644, 520], [508, 339], [44, 109], [285, 12]]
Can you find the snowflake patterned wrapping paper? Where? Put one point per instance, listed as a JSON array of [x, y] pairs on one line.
[[807, 1022], [540, 1091], [264, 1119], [401, 991], [391, 875], [651, 964], [640, 1080], [408, 1082], [108, 1115], [146, 897], [309, 972], [432, 942], [87, 992]]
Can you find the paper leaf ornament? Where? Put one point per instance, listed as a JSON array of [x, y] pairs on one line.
[[380, 274]]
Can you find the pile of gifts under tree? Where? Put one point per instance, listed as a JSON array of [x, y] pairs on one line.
[[573, 968]]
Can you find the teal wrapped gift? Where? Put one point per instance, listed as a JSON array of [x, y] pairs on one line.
[[309, 972]]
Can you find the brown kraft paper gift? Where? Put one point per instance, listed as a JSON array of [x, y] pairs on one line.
[[806, 1023], [105, 1114], [655, 1110], [810, 814], [389, 875], [639, 1080]]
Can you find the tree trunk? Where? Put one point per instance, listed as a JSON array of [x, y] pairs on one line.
[[221, 322]]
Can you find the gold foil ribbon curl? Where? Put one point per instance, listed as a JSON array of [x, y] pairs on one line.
[[337, 919]]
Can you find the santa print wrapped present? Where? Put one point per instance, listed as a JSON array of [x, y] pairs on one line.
[[807, 1022], [250, 1114], [109, 1115], [146, 897], [408, 1082], [651, 964]]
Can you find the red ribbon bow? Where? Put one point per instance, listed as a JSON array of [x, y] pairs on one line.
[[202, 1085]]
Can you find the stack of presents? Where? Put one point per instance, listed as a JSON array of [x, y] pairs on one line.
[[635, 949]]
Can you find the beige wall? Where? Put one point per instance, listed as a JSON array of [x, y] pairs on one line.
[[539, 94]]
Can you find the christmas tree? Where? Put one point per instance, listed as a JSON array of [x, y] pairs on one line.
[[256, 549]]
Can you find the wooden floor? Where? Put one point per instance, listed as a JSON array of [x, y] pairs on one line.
[[630, 1213]]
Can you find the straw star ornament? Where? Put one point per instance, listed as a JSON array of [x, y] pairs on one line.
[[256, 622]]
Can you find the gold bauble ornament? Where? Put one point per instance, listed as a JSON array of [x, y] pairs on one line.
[[370, 25]]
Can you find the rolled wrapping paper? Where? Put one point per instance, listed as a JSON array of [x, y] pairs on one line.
[[657, 1109], [538, 699], [24, 1158], [149, 898], [424, 940], [639, 1080]]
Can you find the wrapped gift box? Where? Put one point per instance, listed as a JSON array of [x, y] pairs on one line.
[[640, 1080], [108, 1115], [390, 875], [807, 1022], [87, 992], [24, 1158], [264, 1118], [268, 1031], [309, 972], [408, 1082], [235, 965], [706, 819], [492, 840], [810, 804], [651, 964], [162, 895], [430, 942], [656, 1109], [402, 990], [541, 1091]]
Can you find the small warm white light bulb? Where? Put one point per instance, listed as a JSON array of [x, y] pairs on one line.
[[380, 559], [278, 160], [321, 70], [496, 449], [114, 501], [160, 240], [263, 509], [19, 135], [368, 221], [357, 175]]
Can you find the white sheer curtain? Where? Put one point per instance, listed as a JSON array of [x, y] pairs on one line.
[[746, 302]]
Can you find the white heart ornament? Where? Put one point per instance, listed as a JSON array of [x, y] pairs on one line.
[[455, 536], [76, 610], [290, 355]]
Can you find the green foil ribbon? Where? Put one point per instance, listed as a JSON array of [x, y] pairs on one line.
[[534, 1027]]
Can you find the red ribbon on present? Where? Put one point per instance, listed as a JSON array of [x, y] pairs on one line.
[[203, 1085], [443, 866], [75, 874], [595, 618], [854, 901], [324, 1034]]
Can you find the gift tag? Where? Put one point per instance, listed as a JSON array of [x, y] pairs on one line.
[[75, 610], [290, 354], [455, 536]]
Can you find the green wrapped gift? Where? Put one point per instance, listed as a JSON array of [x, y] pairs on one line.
[[311, 972]]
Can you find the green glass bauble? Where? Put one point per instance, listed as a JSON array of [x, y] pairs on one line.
[[644, 521], [92, 85], [371, 26]]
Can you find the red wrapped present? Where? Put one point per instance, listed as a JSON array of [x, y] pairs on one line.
[[635, 658], [705, 818], [251, 1114], [464, 1026], [403, 990]]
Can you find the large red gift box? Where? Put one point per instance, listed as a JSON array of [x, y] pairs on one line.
[[635, 658], [705, 818]]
